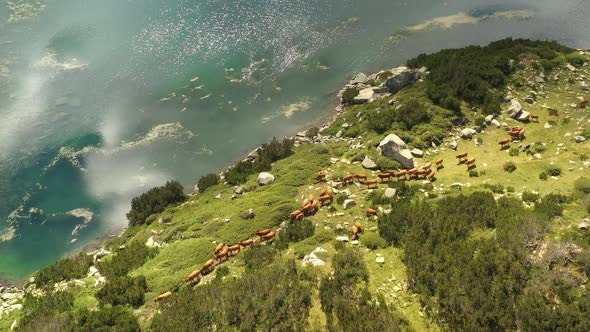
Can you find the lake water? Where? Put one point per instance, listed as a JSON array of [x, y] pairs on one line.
[[101, 100]]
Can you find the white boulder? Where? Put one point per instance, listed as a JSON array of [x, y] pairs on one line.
[[265, 178], [395, 148]]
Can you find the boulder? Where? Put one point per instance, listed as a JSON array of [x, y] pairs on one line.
[[402, 77], [364, 96], [580, 139], [515, 108], [348, 204], [453, 145], [368, 163], [508, 97], [583, 226], [523, 116], [254, 154], [151, 243], [249, 214], [93, 271], [265, 178], [570, 67], [584, 86], [395, 148], [417, 153], [468, 133], [390, 192], [496, 123], [380, 260], [239, 190], [529, 100], [489, 118], [361, 78]]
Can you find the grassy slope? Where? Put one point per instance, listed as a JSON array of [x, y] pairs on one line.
[[193, 228]]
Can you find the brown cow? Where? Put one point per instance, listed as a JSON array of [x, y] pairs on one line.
[[470, 163], [208, 267], [421, 172], [196, 274], [347, 178], [355, 233], [360, 177], [321, 177], [427, 166], [306, 208], [263, 232], [504, 143], [300, 216], [315, 205], [294, 214], [384, 176], [462, 155], [326, 199], [401, 174], [431, 175], [439, 163], [222, 255], [371, 212], [246, 243], [535, 118], [373, 183], [163, 296], [359, 226], [268, 236], [219, 247], [583, 104], [234, 250]]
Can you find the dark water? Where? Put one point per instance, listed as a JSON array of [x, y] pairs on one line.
[[144, 91]]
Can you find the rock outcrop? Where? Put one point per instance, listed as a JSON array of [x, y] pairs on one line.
[[401, 78], [368, 163], [265, 178], [395, 148]]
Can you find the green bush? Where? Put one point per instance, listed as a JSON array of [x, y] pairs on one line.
[[373, 241], [65, 269], [126, 259], [340, 198], [312, 132], [514, 152], [509, 166], [528, 196], [207, 181], [553, 112], [349, 94], [510, 189], [259, 256], [553, 170], [123, 290], [155, 200], [473, 173], [575, 59], [45, 313], [103, 319], [583, 185], [298, 230], [495, 188], [543, 176]]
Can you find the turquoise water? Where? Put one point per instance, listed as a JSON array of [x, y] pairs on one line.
[[159, 89]]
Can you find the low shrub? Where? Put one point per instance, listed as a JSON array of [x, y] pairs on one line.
[[65, 269], [349, 94], [509, 166], [553, 170], [514, 152], [116, 318], [528, 196], [473, 173], [259, 256], [155, 200], [543, 176], [123, 290], [126, 259], [553, 112], [373, 241], [207, 181], [495, 188], [583, 185], [575, 59], [312, 132], [299, 230], [510, 189]]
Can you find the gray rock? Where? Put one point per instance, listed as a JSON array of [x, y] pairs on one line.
[[239, 190], [93, 271], [468, 133], [583, 226], [249, 214], [515, 108], [417, 153], [523, 116], [489, 118], [453, 145], [254, 153], [265, 178], [580, 139], [496, 123], [364, 96], [339, 227], [584, 86], [348, 204], [395, 148], [391, 102], [570, 67], [508, 97], [361, 78], [368, 163], [380, 260], [151, 243], [402, 77], [342, 238], [529, 100], [390, 192]]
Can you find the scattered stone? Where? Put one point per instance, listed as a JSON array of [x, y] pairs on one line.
[[524, 116], [364, 96], [390, 192], [468, 133], [239, 190], [354, 242], [342, 238], [496, 123], [395, 148], [254, 154], [93, 271], [489, 118], [580, 139], [312, 259], [339, 227], [453, 145], [368, 163], [265, 178], [584, 87], [249, 215], [529, 100], [417, 153], [361, 78], [570, 67], [547, 125], [380, 260], [348, 204], [151, 243]]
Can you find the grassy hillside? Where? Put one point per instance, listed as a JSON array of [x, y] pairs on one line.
[[511, 257]]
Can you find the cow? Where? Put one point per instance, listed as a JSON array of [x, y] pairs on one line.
[[462, 157], [219, 247], [517, 134], [534, 118], [234, 250], [263, 232], [427, 166], [431, 175], [355, 233], [359, 226], [321, 177], [315, 205], [360, 177], [163, 296], [246, 243], [208, 267], [306, 208], [222, 255], [439, 163], [384, 176], [195, 275], [300, 216], [326, 199], [421, 172], [347, 179], [503, 143], [294, 214], [371, 212], [470, 163], [268, 236], [370, 183], [401, 174], [583, 104]]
